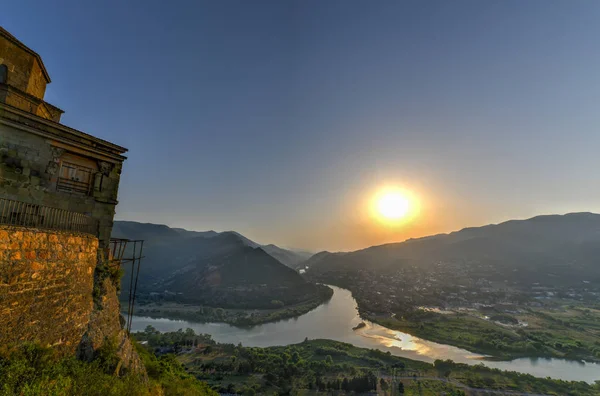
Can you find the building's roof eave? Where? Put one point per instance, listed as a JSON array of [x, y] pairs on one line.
[[98, 144], [29, 96]]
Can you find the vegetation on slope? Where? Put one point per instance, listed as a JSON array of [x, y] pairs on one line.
[[237, 317], [34, 370], [245, 277], [325, 365], [218, 270]]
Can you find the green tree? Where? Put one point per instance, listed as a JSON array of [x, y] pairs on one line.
[[277, 303], [401, 388], [345, 384], [296, 357], [150, 329]]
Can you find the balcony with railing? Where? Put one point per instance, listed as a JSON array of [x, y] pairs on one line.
[[17, 213]]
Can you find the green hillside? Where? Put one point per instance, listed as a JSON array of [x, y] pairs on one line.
[[223, 270]]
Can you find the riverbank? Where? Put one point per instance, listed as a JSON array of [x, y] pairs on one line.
[[335, 321], [570, 330], [326, 365], [545, 336], [235, 317]]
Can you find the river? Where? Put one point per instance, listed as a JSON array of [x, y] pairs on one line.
[[334, 320]]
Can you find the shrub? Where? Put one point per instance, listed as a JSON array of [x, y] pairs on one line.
[[34, 370]]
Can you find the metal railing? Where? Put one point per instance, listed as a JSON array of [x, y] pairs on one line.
[[24, 214], [120, 253]]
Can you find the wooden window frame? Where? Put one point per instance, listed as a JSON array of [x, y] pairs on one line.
[[73, 185]]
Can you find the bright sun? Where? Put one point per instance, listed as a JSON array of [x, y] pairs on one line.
[[393, 205]]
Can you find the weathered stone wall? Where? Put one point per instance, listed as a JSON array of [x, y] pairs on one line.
[[23, 161], [28, 173], [37, 82], [20, 100], [46, 285], [26, 82], [23, 67], [105, 320], [46, 295], [105, 324]]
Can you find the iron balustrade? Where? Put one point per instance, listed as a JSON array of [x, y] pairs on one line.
[[24, 214]]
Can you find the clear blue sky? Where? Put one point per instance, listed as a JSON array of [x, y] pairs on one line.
[[279, 119]]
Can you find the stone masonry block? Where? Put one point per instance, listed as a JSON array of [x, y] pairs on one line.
[[46, 286]]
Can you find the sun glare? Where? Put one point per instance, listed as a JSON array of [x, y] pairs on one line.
[[393, 205]]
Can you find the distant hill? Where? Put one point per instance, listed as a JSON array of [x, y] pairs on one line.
[[146, 231], [218, 269], [162, 234], [191, 234], [291, 258], [562, 248], [243, 277]]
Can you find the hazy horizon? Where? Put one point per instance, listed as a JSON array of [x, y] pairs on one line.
[[350, 250], [281, 120]]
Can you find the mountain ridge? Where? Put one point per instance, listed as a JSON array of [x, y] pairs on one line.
[[138, 230], [225, 269], [559, 242]]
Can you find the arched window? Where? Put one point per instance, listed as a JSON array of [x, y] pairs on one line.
[[3, 74]]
